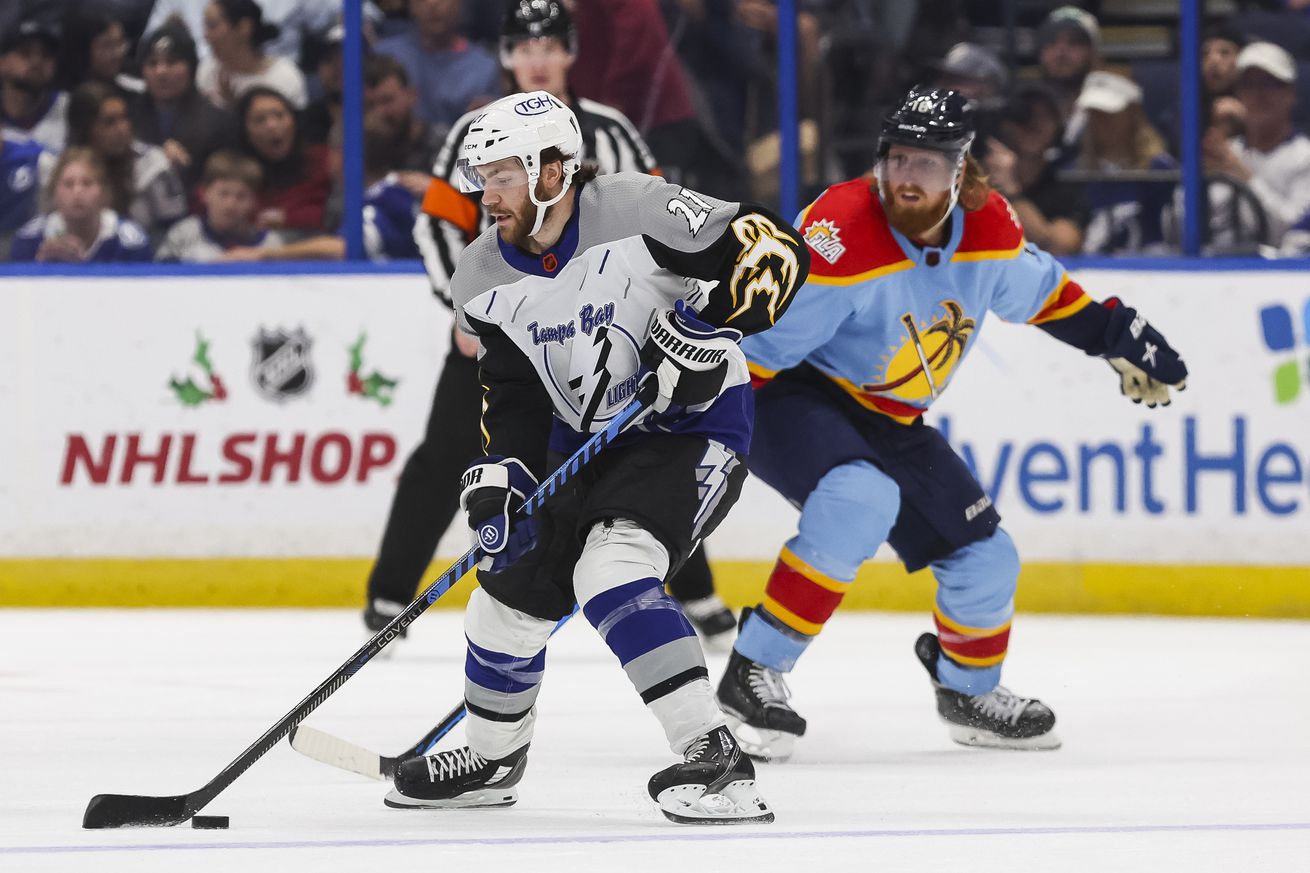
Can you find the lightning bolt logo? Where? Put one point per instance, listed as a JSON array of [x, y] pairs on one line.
[[597, 382]]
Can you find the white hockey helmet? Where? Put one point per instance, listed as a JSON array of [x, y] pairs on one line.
[[520, 126]]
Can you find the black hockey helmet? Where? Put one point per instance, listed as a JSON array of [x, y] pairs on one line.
[[929, 118], [535, 19]]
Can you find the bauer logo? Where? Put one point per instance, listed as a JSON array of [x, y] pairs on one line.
[[533, 106], [1278, 329], [280, 367]]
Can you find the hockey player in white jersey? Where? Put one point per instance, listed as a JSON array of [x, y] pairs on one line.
[[585, 287]]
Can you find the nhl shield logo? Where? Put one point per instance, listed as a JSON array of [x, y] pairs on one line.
[[281, 367]]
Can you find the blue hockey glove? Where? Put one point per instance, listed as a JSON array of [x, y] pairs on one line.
[[689, 359], [492, 490], [1147, 365]]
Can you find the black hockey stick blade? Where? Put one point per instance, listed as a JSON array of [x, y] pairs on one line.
[[129, 810], [124, 810]]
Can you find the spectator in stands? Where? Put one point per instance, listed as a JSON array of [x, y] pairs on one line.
[[95, 48], [30, 105], [297, 176], [172, 113], [1221, 43], [389, 212], [236, 33], [1068, 48], [625, 61], [294, 19], [232, 183], [24, 170], [1126, 216], [974, 71], [141, 181], [389, 98], [83, 227], [1271, 157], [322, 120], [451, 75], [1019, 165]]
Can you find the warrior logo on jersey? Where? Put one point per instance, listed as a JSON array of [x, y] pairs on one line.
[[281, 367], [825, 238], [921, 365], [767, 265]]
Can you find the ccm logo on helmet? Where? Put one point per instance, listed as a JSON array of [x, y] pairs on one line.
[[534, 106]]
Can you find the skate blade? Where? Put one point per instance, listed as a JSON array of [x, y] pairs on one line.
[[738, 803], [978, 738], [761, 744], [486, 798]]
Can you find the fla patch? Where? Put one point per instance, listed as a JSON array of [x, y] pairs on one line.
[[824, 237]]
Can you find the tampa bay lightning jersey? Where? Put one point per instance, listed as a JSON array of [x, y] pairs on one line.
[[890, 321], [24, 167], [573, 319]]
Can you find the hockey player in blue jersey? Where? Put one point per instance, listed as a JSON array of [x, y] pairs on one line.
[[906, 265]]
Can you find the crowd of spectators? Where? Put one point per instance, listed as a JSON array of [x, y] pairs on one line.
[[210, 130]]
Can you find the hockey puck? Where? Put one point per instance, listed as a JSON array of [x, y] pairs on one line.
[[209, 822]]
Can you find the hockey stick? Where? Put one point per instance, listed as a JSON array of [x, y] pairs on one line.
[[908, 320], [133, 810], [345, 755]]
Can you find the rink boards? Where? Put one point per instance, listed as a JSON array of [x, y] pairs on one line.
[[207, 440]]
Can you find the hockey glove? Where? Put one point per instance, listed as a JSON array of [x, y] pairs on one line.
[[689, 359], [493, 488], [1147, 365]]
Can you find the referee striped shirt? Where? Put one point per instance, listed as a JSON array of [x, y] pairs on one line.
[[450, 220]]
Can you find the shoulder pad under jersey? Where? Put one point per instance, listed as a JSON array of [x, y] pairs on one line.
[[847, 232], [991, 233]]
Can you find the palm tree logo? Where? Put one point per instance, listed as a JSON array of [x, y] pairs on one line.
[[930, 354]]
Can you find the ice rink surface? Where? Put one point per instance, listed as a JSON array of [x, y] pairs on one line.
[[1186, 747]]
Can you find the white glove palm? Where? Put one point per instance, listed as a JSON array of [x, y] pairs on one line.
[[1138, 387]]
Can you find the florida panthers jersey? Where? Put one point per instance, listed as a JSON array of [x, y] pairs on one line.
[[562, 331], [890, 321]]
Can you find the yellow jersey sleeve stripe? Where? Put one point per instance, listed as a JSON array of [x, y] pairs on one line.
[[991, 254], [760, 372], [861, 277]]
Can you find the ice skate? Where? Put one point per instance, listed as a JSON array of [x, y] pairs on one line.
[[713, 622], [714, 785], [754, 698], [999, 719], [377, 613], [458, 779]]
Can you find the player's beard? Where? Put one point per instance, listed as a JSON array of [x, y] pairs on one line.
[[516, 233], [916, 220]]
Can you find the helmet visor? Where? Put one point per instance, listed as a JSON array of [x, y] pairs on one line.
[[930, 171], [495, 176]]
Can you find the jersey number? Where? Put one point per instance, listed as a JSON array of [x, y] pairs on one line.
[[692, 207]]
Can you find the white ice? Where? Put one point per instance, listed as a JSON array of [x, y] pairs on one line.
[[1185, 748]]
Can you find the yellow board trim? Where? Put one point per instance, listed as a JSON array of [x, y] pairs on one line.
[[791, 619], [860, 277], [1162, 589], [836, 586]]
